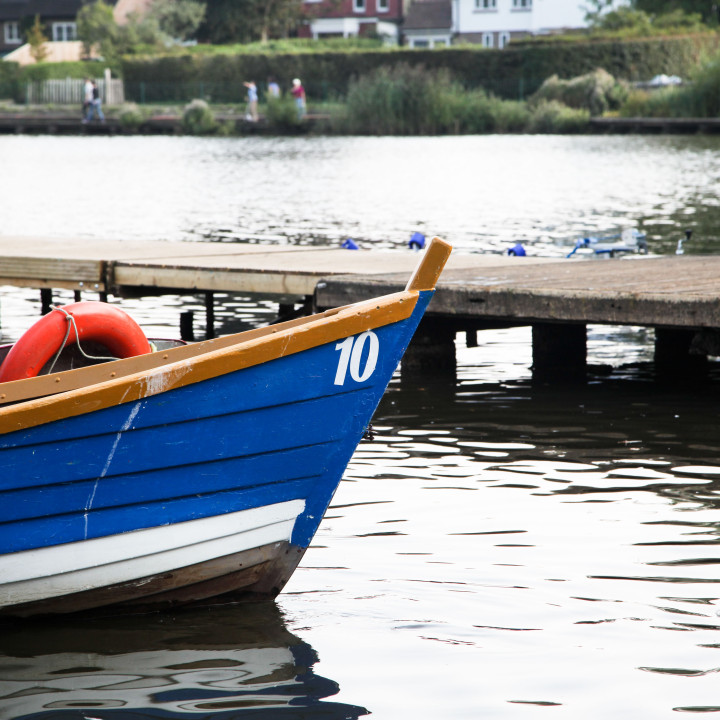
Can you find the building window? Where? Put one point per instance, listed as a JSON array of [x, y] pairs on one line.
[[486, 4], [487, 40], [359, 6], [12, 33], [503, 39], [64, 31], [522, 4], [420, 43], [383, 6]]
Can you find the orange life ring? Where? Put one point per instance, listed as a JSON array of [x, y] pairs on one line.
[[95, 322]]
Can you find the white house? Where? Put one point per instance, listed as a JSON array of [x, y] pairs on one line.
[[495, 22], [492, 22]]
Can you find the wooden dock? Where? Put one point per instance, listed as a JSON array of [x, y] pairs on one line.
[[678, 126], [679, 296], [63, 123]]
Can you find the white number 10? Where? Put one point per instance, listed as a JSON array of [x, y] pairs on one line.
[[351, 352]]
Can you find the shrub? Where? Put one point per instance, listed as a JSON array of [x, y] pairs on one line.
[[704, 91], [281, 114], [130, 116], [198, 119], [700, 98], [551, 116], [400, 100], [596, 92]]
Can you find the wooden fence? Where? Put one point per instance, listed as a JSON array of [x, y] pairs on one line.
[[71, 92]]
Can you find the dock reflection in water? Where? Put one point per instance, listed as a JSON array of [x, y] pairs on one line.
[[221, 662]]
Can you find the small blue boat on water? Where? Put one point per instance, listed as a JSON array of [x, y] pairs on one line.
[[196, 472]]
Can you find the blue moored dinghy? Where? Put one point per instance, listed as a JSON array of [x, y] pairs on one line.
[[190, 473]]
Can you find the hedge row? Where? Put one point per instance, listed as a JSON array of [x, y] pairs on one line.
[[509, 73], [13, 76]]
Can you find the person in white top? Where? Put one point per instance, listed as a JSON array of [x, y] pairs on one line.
[[87, 98]]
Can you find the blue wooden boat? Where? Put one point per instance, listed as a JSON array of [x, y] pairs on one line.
[[191, 473]]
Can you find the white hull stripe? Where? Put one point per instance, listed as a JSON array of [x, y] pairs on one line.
[[75, 567]]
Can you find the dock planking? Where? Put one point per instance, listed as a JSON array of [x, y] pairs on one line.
[[135, 266], [672, 291], [679, 296]]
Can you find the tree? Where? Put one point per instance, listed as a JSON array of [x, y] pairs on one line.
[[595, 9], [37, 41], [229, 21], [178, 19], [96, 26], [707, 9]]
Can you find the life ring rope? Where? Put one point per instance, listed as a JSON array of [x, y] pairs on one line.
[[72, 325], [91, 321]]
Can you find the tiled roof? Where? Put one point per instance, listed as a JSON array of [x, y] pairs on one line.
[[428, 15]]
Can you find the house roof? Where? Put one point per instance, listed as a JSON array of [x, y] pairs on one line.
[[428, 15], [16, 9]]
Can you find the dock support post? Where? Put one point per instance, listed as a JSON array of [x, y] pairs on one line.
[[186, 326], [431, 351], [46, 300], [209, 316], [559, 352], [673, 359]]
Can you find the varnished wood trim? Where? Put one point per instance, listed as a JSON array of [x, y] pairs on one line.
[[428, 271], [244, 353], [29, 388]]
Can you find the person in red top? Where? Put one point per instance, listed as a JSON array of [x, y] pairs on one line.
[[298, 92]]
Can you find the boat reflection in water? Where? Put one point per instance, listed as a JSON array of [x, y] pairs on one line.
[[219, 663]]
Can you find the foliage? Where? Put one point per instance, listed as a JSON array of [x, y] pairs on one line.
[[290, 45], [627, 22], [9, 72], [96, 26], [38, 42], [707, 10], [699, 98], [551, 116], [281, 113], [399, 100], [130, 116], [704, 90], [178, 19], [229, 21], [61, 70], [624, 18], [596, 92], [511, 73], [407, 100], [198, 119], [595, 10]]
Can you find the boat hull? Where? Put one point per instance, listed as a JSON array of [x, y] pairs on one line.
[[193, 488]]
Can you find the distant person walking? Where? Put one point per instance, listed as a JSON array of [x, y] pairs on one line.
[[273, 89], [298, 92], [95, 104], [87, 99], [252, 106]]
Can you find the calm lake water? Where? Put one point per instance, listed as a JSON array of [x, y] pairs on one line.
[[502, 550]]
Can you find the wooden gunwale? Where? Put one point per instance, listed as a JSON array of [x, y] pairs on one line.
[[29, 388], [203, 364]]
